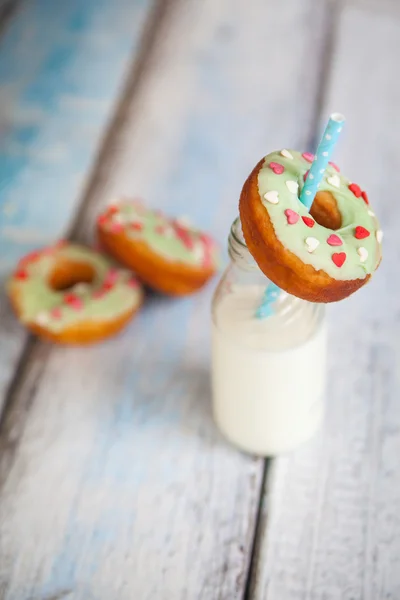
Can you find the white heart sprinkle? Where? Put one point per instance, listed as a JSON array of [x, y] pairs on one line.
[[334, 180], [311, 243], [325, 154], [286, 154], [339, 130], [42, 319], [371, 213], [322, 170], [328, 137], [184, 220], [362, 253], [379, 236], [272, 197], [311, 176], [80, 288], [308, 193], [292, 186]]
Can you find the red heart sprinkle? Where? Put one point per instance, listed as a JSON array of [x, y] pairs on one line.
[[292, 216], [308, 221], [137, 226], [334, 240], [112, 209], [334, 166], [102, 219], [360, 232], [353, 187], [365, 197], [277, 168], [308, 156], [22, 275], [73, 301], [108, 285], [339, 258], [306, 175]]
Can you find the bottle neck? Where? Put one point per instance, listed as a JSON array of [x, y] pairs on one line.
[[239, 253]]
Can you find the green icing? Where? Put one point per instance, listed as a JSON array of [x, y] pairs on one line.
[[37, 300], [354, 212], [175, 240]]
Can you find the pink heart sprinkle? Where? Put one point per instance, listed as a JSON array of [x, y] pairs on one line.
[[112, 276], [132, 283], [334, 240], [277, 168], [292, 216], [56, 313], [99, 293], [116, 227], [334, 166], [308, 156]]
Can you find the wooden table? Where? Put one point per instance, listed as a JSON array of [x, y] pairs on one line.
[[114, 483]]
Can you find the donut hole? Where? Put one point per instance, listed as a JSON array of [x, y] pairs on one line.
[[325, 212], [67, 273]]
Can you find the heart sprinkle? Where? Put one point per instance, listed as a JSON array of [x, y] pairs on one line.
[[277, 168], [292, 186], [308, 156], [272, 197], [306, 175], [42, 318], [286, 154], [334, 240], [334, 166], [292, 216], [365, 197], [353, 187], [334, 180], [22, 275], [360, 232], [116, 227], [308, 221], [311, 243], [338, 258], [379, 236], [362, 253]]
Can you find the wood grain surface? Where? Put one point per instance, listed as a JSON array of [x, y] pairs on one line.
[[62, 66], [114, 482], [330, 526]]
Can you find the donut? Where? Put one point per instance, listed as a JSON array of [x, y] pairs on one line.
[[321, 255], [167, 254], [73, 295]]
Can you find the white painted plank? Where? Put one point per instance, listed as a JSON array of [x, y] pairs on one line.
[[116, 484], [61, 67], [331, 522]]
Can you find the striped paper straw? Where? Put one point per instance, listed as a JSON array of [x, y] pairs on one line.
[[310, 188], [270, 295], [321, 159]]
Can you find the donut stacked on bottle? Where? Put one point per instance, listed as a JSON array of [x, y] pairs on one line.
[[321, 255]]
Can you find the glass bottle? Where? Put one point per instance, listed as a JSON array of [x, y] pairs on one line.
[[268, 374]]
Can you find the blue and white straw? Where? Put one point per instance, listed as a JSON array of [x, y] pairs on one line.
[[310, 188], [321, 159], [271, 294]]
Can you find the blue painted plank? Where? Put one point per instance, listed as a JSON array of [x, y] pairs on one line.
[[62, 65]]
